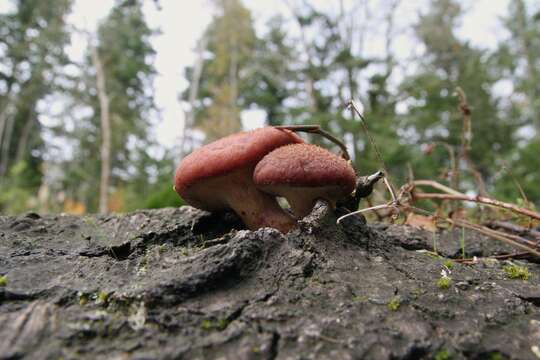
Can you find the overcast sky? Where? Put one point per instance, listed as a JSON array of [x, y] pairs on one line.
[[182, 22]]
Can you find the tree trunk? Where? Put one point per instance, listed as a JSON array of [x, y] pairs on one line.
[[105, 131], [193, 92], [533, 91], [24, 139], [6, 145], [3, 123], [5, 127], [233, 83]]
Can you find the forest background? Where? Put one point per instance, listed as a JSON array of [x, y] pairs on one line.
[[83, 127]]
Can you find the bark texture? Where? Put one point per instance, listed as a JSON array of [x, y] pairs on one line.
[[186, 284]]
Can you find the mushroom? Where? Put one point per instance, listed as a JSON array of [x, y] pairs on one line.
[[304, 173], [219, 176]]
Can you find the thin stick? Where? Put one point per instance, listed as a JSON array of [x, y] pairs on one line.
[[509, 236], [316, 129], [495, 235], [481, 200], [511, 227], [466, 139], [394, 204], [520, 189], [454, 168], [373, 208], [483, 230], [370, 203], [352, 105], [496, 257], [436, 185], [391, 190]]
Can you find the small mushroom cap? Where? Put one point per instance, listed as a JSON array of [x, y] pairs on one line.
[[305, 165], [228, 154]]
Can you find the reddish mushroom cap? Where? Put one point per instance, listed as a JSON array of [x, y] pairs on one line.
[[230, 153], [304, 165], [220, 176], [303, 173]]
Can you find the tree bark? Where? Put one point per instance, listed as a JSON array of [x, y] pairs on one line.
[[105, 131], [325, 284]]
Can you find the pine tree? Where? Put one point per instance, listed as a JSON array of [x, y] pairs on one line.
[[124, 50], [32, 39], [433, 115], [230, 41], [518, 61]]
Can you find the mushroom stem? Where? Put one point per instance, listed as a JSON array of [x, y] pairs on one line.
[[264, 211], [255, 208], [258, 210], [303, 199]]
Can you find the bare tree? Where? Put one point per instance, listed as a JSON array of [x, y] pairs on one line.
[[105, 129], [6, 143], [189, 117], [24, 139], [6, 119]]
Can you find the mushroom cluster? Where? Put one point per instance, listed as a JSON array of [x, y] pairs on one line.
[[246, 171]]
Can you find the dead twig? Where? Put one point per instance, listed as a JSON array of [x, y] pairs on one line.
[[454, 170], [478, 199], [393, 204], [435, 185], [400, 202], [354, 108], [520, 189], [513, 228], [466, 140], [471, 261], [407, 191], [316, 129], [481, 229]]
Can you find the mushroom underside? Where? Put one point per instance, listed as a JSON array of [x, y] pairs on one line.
[[302, 199], [237, 191]]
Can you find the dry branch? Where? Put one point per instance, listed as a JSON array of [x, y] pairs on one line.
[[466, 140], [481, 229], [478, 199], [316, 129]]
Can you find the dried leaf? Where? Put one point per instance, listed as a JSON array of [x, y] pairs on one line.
[[422, 222]]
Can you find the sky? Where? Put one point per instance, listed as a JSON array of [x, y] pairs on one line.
[[182, 22]]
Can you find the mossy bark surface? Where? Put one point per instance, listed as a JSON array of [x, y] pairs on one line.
[[187, 284]]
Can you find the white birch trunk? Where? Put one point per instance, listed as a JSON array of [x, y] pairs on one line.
[[189, 118], [105, 132]]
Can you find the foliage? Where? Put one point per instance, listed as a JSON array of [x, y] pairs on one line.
[[299, 67], [448, 63], [124, 46], [231, 41], [271, 72], [449, 264], [444, 282], [32, 40], [217, 324], [516, 272], [443, 354], [15, 196], [394, 304]]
